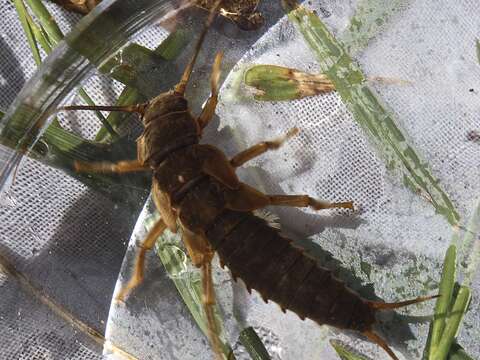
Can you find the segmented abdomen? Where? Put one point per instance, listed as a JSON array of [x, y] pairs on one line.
[[271, 264]]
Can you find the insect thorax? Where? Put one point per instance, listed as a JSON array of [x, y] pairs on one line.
[[169, 126]]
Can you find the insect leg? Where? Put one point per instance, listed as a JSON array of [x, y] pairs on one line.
[[209, 301], [247, 198], [201, 255], [305, 200], [209, 109], [138, 272], [108, 167], [260, 148]]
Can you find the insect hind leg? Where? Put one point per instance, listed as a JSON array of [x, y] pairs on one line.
[[201, 255], [139, 270], [247, 198], [209, 302]]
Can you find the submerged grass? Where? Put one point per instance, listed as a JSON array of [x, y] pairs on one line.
[[253, 344], [277, 83], [375, 119], [344, 353], [450, 309]]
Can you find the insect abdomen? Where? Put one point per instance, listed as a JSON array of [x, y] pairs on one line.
[[283, 273]]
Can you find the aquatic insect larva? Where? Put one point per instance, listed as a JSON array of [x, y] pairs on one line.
[[195, 188]]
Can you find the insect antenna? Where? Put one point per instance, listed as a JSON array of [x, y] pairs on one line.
[[180, 87], [388, 306], [137, 108]]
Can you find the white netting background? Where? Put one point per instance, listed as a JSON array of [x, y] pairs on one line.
[[71, 241]]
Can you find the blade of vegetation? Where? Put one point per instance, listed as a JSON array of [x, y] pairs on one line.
[[141, 68], [471, 247], [252, 342], [128, 96], [450, 309], [60, 148], [369, 19], [343, 353], [458, 353], [174, 44], [22, 15], [106, 125], [368, 111], [277, 83], [46, 19], [452, 324], [442, 305], [44, 37]]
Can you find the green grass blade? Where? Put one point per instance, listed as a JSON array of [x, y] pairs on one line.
[[105, 123], [452, 324], [368, 111], [128, 96], [471, 246], [46, 19], [42, 37], [174, 44], [369, 19], [252, 342], [442, 305], [458, 353], [277, 83], [343, 353], [23, 17], [142, 69]]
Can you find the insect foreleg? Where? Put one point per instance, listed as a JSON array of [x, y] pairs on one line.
[[108, 167], [261, 148], [209, 109], [138, 272]]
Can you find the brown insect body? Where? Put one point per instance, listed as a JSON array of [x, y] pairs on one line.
[[271, 264], [195, 187], [252, 250]]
